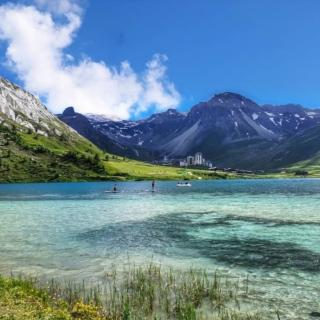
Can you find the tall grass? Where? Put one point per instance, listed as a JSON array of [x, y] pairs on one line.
[[154, 292]]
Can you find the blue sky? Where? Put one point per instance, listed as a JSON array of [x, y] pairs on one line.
[[266, 50]]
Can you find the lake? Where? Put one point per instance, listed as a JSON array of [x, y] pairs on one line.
[[266, 230]]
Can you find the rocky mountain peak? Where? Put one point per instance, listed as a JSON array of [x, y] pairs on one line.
[[172, 112], [69, 112], [26, 110], [169, 115], [230, 99], [229, 96]]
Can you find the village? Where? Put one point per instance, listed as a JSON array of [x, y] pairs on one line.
[[197, 160]]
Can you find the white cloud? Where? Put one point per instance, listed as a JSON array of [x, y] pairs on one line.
[[155, 86], [59, 6], [37, 39]]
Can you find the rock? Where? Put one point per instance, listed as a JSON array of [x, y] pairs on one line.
[[68, 112]]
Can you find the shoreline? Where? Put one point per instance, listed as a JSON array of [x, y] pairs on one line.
[[121, 179], [149, 292]]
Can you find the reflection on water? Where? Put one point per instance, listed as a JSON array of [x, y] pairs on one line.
[[268, 229]]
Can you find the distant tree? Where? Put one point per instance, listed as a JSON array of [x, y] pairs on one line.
[[96, 158], [39, 149], [70, 156], [301, 173]]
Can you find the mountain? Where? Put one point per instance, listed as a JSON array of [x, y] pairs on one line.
[[229, 129], [37, 146], [84, 127], [303, 149], [146, 136]]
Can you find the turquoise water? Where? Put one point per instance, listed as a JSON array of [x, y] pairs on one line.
[[268, 230]]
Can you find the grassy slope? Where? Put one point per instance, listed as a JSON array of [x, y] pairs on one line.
[[311, 165], [33, 157]]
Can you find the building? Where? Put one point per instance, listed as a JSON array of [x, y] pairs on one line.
[[208, 164], [183, 163], [190, 161], [198, 159]]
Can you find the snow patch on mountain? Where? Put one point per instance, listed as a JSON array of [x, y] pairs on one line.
[[259, 128], [97, 117], [270, 114], [272, 120]]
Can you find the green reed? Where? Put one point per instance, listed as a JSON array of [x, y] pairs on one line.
[[155, 292], [134, 292]]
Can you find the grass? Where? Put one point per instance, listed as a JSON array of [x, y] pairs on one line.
[[312, 166], [30, 157], [150, 292], [118, 166]]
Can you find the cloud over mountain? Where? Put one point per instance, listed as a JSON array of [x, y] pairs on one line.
[[37, 37]]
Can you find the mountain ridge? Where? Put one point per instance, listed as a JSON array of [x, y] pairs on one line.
[[228, 125]]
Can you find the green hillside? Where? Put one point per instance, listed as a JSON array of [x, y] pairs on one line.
[[301, 153], [146, 171], [311, 166], [26, 156]]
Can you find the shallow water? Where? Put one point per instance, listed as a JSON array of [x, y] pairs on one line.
[[266, 229]]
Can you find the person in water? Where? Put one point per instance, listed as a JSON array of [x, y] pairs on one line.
[[153, 185], [114, 189]]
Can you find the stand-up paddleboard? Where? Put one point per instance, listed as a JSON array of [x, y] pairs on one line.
[[152, 191], [137, 191]]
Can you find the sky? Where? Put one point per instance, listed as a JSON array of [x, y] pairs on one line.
[[129, 58]]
